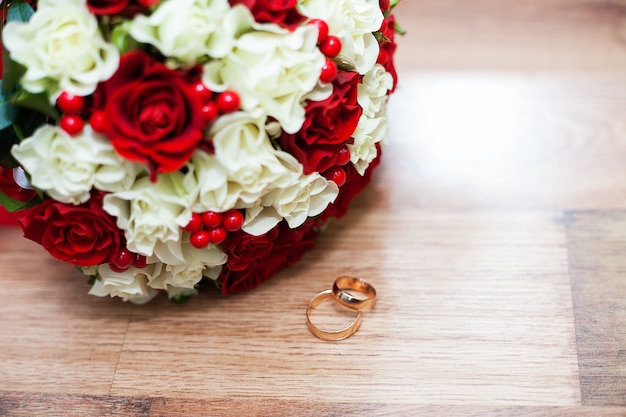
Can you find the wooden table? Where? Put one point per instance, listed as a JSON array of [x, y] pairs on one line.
[[494, 232]]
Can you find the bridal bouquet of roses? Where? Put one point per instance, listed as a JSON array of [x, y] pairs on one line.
[[155, 144]]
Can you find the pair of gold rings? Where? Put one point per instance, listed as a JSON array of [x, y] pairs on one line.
[[340, 294]]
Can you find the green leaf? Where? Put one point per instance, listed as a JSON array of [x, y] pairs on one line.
[[7, 110], [181, 298], [8, 138], [19, 11], [399, 29], [12, 205], [29, 121], [93, 279], [38, 102], [12, 72]]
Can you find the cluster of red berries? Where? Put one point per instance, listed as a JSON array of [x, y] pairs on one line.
[[213, 105], [212, 227], [336, 173], [71, 106], [330, 46], [125, 259]]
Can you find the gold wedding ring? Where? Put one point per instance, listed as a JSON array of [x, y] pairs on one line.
[[355, 284], [330, 334]]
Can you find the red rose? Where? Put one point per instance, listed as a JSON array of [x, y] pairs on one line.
[[126, 8], [280, 12], [83, 235], [287, 247], [244, 249], [327, 127], [384, 5], [101, 7], [9, 187], [355, 183], [388, 49], [153, 113]]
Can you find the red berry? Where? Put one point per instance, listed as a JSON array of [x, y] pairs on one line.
[[337, 175], [69, 103], [343, 156], [210, 112], [212, 219], [331, 46], [217, 235], [203, 91], [233, 220], [322, 29], [194, 224], [123, 260], [98, 121], [140, 261], [329, 71], [200, 239], [72, 124], [228, 102]]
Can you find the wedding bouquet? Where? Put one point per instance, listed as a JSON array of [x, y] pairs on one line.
[[154, 144]]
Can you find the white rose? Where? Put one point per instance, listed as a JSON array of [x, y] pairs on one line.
[[150, 214], [367, 134], [207, 183], [353, 22], [189, 30], [272, 69], [189, 270], [62, 49], [41, 4], [373, 91], [130, 285], [243, 147], [68, 167], [306, 197]]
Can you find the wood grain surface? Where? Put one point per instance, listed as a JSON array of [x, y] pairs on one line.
[[494, 233]]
